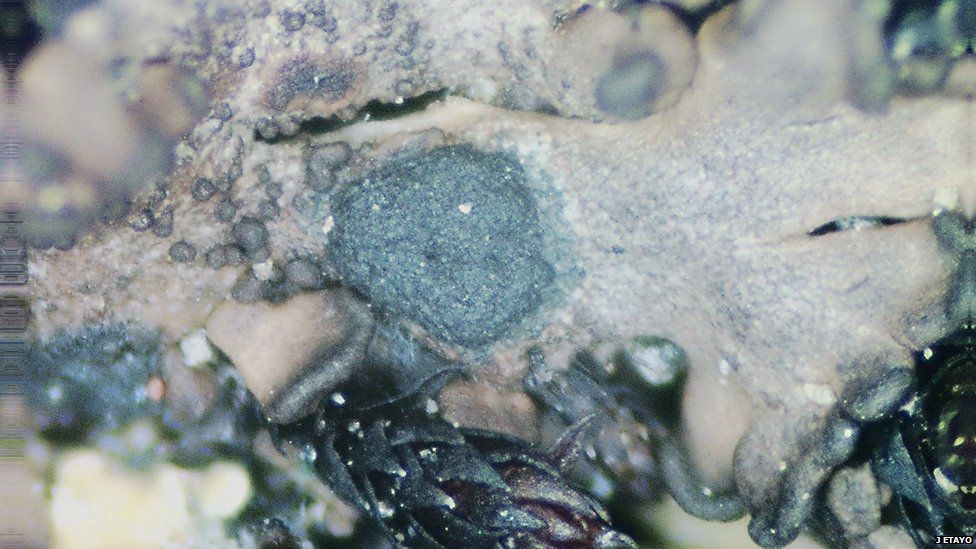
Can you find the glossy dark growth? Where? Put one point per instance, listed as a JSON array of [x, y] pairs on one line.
[[930, 459], [449, 239], [428, 484]]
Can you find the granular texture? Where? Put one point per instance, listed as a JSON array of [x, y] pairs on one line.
[[449, 239]]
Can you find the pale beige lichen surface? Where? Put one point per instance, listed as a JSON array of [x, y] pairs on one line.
[[710, 199]]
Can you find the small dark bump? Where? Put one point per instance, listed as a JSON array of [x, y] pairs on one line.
[[182, 252], [163, 225], [385, 31], [404, 87], [401, 239], [141, 220], [225, 210], [273, 190], [327, 23], [279, 293], [215, 257], [292, 20], [404, 47], [246, 59], [64, 242], [304, 273], [264, 176], [203, 189], [114, 210], [629, 88], [233, 255], [250, 233], [306, 203], [262, 9], [268, 210], [266, 128], [288, 125], [322, 161], [222, 112], [320, 181], [157, 197], [223, 184], [387, 12], [248, 289], [233, 173], [259, 255], [408, 42], [359, 49]]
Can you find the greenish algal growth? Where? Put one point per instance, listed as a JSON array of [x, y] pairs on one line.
[[449, 239]]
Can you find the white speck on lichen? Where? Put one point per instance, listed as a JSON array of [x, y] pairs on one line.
[[196, 349], [263, 270], [819, 393]]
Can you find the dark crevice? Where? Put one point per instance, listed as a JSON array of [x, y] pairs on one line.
[[693, 19], [854, 223], [373, 111]]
